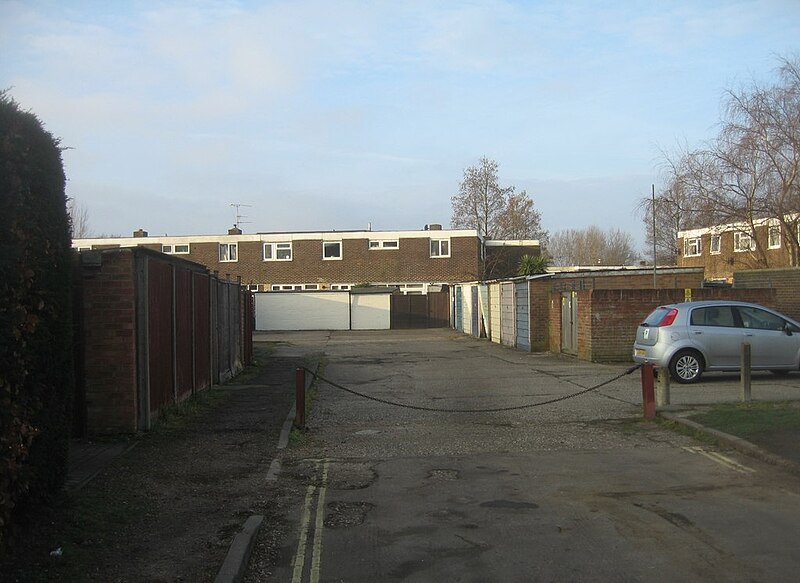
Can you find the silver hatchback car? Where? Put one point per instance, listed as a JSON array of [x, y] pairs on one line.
[[694, 337]]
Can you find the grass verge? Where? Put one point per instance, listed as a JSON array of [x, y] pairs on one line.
[[752, 421]]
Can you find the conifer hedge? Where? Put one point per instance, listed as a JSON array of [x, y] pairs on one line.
[[36, 367]]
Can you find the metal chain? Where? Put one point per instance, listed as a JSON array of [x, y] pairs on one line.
[[490, 410]]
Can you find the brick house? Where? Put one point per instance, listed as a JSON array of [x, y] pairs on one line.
[[723, 249], [338, 260]]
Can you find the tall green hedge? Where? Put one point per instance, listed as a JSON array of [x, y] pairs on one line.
[[36, 367]]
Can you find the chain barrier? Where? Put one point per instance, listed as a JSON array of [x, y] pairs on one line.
[[488, 410]]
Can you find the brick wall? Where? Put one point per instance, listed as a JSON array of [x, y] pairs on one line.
[[724, 264], [109, 315], [411, 262], [612, 316], [785, 282]]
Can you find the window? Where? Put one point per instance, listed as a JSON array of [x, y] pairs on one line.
[[176, 249], [692, 247], [332, 250], [295, 287], [228, 252], [712, 316], [742, 242], [760, 319], [253, 287], [340, 286], [377, 244], [277, 251], [440, 247], [774, 241], [715, 247]]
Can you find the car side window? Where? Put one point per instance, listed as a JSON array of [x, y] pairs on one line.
[[760, 319], [712, 316]]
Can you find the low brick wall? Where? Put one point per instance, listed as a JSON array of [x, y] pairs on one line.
[[609, 318], [785, 282]]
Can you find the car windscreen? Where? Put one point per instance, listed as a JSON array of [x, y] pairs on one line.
[[655, 317]]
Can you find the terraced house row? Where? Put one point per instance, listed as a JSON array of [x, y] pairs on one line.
[[724, 249], [338, 260]]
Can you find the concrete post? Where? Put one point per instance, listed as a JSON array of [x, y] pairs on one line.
[[745, 374], [648, 392], [662, 387]]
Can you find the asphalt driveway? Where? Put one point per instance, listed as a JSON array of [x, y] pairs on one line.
[[580, 489]]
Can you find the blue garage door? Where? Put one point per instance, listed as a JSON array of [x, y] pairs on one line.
[[523, 322]]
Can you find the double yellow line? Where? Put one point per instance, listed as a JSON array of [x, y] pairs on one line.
[[721, 459], [314, 504]]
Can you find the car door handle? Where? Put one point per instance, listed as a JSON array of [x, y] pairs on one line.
[[747, 334]]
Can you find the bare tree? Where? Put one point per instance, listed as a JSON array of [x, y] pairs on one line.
[[496, 212], [751, 171], [480, 200], [591, 246], [78, 218]]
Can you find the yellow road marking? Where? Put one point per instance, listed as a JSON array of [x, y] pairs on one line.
[[316, 556], [312, 494], [300, 555], [724, 460]]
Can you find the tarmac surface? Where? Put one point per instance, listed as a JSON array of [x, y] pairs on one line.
[[428, 495]]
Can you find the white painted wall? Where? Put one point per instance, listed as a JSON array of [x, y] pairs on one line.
[[371, 311]]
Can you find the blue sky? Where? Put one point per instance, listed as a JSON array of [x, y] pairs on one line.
[[333, 115]]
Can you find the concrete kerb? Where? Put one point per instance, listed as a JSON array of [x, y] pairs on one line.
[[235, 564], [736, 443]]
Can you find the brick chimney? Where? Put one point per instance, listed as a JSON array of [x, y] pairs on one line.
[[140, 233], [234, 230]]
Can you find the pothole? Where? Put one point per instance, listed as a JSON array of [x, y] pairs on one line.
[[443, 475], [347, 514]]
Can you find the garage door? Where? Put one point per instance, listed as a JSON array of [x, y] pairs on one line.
[[494, 311], [507, 322], [303, 311], [523, 323]]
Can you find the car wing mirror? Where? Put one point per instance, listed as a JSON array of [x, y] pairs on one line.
[[788, 329]]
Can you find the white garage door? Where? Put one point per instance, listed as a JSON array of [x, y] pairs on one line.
[[371, 311], [303, 311]]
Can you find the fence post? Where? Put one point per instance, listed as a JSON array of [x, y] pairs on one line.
[[648, 391], [745, 374], [662, 387], [300, 398]]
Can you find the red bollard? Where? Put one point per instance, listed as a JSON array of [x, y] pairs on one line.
[[300, 398], [648, 391]]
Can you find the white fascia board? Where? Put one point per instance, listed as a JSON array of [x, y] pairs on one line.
[[274, 237], [512, 243]]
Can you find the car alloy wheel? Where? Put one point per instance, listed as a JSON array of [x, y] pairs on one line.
[[686, 367]]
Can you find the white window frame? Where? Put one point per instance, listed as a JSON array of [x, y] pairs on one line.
[[341, 286], [715, 246], [692, 247], [274, 248], [173, 249], [738, 238], [435, 248], [771, 231], [227, 256], [329, 243], [381, 244]]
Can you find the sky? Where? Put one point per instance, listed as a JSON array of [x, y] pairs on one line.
[[338, 115]]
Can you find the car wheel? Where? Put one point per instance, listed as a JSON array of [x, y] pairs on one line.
[[686, 366]]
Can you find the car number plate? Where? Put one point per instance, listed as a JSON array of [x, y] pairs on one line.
[[639, 352]]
